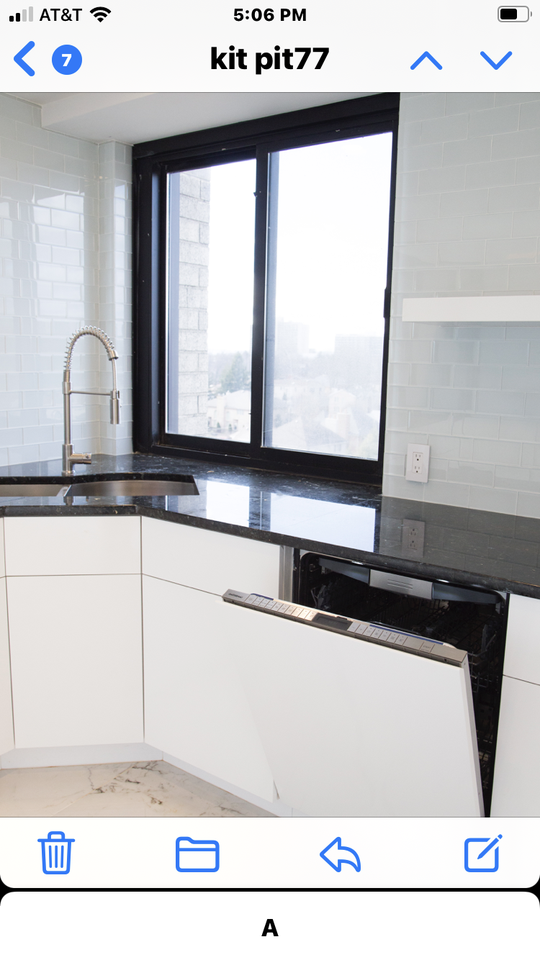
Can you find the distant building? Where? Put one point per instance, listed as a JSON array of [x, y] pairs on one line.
[[230, 414]]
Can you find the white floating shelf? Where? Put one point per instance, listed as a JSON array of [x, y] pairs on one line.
[[520, 309]]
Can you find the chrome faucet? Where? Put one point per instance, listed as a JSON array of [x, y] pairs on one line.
[[68, 457]]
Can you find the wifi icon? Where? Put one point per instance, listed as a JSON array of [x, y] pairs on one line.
[[100, 13]]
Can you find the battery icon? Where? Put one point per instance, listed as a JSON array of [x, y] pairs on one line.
[[513, 14]]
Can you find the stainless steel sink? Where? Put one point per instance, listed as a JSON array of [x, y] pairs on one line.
[[134, 488], [31, 489]]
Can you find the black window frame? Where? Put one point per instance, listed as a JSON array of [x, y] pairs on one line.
[[152, 162]]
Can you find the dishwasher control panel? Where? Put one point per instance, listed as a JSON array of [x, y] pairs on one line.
[[359, 629]]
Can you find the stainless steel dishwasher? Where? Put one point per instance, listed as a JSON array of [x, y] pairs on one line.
[[389, 707]]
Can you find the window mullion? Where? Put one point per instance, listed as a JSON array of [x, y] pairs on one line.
[[259, 300]]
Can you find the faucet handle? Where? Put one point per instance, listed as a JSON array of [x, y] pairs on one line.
[[115, 406], [68, 457]]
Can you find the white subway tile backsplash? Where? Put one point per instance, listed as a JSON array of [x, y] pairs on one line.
[[531, 453], [478, 474], [439, 129], [467, 151], [484, 379], [454, 494], [498, 501], [441, 179], [528, 505], [512, 251], [496, 120], [465, 202], [497, 451], [462, 251], [523, 196], [521, 143], [450, 228], [492, 174], [480, 376], [524, 277], [440, 279], [489, 279], [424, 106], [454, 351], [443, 398], [508, 403], [528, 170], [50, 280], [429, 375]]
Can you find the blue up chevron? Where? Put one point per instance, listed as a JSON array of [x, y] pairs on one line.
[[492, 62], [429, 57]]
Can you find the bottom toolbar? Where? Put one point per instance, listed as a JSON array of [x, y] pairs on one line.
[[301, 853], [244, 926]]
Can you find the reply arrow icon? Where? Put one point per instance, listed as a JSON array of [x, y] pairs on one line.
[[18, 58], [335, 855]]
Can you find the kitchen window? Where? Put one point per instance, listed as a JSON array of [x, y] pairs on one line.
[[262, 281]]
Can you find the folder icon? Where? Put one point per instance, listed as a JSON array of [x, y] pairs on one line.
[[196, 856]]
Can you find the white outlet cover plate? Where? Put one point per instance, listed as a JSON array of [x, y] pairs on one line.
[[410, 474]]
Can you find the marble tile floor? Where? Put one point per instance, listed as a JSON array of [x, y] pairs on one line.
[[145, 789]]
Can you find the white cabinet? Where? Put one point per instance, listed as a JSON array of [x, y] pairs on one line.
[[6, 714], [195, 705], [76, 660], [516, 789], [208, 560], [516, 781], [522, 655], [38, 546], [74, 601]]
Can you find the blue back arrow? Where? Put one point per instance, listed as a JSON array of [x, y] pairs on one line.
[[18, 58], [350, 856], [429, 57]]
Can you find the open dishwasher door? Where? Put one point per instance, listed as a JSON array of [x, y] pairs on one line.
[[357, 721]]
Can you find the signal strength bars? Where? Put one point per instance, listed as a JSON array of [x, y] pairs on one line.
[[23, 16]]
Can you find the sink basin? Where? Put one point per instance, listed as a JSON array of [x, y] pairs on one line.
[[31, 489], [134, 488]]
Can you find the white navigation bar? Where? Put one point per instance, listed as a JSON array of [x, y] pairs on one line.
[[310, 853]]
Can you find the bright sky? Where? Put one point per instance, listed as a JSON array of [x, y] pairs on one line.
[[332, 242]]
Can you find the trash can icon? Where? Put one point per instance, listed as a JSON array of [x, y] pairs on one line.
[[56, 852]]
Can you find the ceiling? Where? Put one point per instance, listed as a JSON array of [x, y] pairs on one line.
[[135, 117]]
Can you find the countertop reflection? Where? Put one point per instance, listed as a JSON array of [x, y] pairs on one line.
[[343, 519]]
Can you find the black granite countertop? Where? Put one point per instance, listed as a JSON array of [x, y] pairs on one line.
[[347, 520]]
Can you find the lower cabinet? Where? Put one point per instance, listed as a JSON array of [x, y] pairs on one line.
[[516, 787], [195, 705], [516, 782], [6, 713], [76, 659]]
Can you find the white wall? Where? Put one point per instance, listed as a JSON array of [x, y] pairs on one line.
[[64, 263], [467, 224]]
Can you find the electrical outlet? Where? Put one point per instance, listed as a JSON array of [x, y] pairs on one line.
[[417, 467], [412, 539]]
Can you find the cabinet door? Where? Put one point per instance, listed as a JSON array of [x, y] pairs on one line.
[[76, 656], [195, 706], [516, 785], [6, 716], [209, 560], [72, 545], [522, 652], [355, 729]]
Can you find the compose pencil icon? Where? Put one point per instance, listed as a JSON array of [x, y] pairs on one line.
[[489, 847]]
